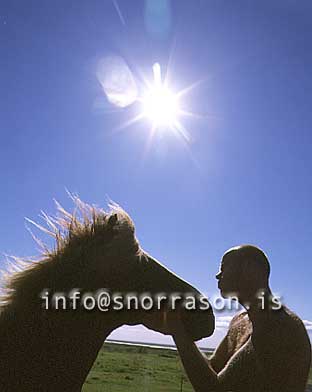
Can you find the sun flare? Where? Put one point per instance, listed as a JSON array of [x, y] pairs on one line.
[[159, 104]]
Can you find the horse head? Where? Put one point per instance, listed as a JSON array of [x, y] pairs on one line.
[[141, 289], [96, 252]]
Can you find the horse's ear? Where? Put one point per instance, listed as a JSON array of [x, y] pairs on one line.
[[112, 220]]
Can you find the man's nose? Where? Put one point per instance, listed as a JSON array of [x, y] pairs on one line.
[[218, 276]]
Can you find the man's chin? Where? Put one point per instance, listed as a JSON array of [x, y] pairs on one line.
[[224, 294], [228, 294]]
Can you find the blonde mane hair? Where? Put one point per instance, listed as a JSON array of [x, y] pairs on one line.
[[113, 230], [46, 348]]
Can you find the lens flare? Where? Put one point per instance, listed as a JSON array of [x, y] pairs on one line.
[[161, 106]]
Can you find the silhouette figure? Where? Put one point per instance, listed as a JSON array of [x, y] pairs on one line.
[[267, 348]]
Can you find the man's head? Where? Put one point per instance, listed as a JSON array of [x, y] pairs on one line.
[[243, 272]]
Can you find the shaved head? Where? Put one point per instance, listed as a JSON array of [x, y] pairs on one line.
[[249, 257], [244, 271]]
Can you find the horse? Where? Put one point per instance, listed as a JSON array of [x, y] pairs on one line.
[[44, 348]]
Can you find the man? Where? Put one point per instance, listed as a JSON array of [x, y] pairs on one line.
[[265, 350]]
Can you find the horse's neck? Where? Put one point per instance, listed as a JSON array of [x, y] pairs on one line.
[[60, 345]]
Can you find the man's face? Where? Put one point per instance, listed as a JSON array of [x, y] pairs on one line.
[[228, 277]]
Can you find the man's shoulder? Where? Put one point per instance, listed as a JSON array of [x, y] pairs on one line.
[[286, 319], [282, 316], [290, 324], [240, 320], [292, 316], [280, 334], [240, 329], [239, 317]]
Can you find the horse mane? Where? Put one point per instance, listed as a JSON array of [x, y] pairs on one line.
[[72, 233]]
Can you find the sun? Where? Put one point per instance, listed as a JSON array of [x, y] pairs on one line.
[[159, 104], [161, 107]]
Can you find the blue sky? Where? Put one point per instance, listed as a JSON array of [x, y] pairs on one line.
[[245, 177]]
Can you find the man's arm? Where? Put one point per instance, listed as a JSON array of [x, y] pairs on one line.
[[241, 372], [239, 331], [220, 356], [197, 367]]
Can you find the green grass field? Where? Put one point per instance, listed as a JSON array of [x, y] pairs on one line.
[[120, 368]]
